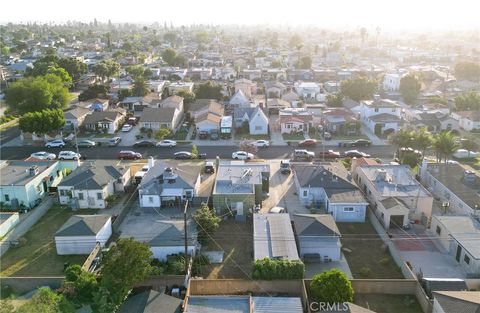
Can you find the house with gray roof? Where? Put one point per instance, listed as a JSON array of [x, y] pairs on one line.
[[318, 237], [80, 234], [163, 117], [104, 121], [92, 182], [151, 301], [255, 117], [456, 301], [75, 117], [328, 187], [165, 185]]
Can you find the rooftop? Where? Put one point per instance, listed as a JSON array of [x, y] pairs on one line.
[[239, 177], [465, 230], [17, 173], [83, 225], [94, 174], [315, 225], [243, 304]]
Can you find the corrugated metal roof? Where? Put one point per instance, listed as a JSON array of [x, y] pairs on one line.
[[277, 305]]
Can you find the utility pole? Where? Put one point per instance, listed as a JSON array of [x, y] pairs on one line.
[[185, 234]]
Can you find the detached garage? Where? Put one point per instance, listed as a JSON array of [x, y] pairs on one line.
[[81, 232]]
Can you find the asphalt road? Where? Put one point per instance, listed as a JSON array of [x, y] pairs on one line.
[[9, 134], [273, 152]]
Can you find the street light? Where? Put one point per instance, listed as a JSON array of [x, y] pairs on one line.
[[445, 205]]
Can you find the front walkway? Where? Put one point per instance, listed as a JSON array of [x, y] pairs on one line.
[[374, 138]]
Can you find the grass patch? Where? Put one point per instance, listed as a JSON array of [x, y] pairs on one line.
[[296, 136], [368, 259], [383, 303], [237, 259], [346, 137], [251, 137], [36, 254]]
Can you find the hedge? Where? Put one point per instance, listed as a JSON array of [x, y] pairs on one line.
[[269, 269]]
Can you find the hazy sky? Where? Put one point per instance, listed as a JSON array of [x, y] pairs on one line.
[[389, 15]]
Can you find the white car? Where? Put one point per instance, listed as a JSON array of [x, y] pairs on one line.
[[465, 154], [126, 128], [55, 144], [242, 155], [261, 143], [167, 143], [42, 155], [68, 155]]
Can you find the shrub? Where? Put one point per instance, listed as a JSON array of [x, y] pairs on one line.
[[365, 271], [269, 269], [332, 287]]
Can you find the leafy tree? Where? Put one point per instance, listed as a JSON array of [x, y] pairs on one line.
[[125, 264], [170, 37], [335, 100], [332, 287], [468, 101], [135, 70], [47, 301], [168, 56], [7, 307], [140, 87], [123, 93], [194, 150], [36, 94], [42, 122], [209, 90], [81, 284], [422, 140], [295, 41], [207, 222], [180, 61], [359, 88], [305, 62], [468, 70], [62, 74], [276, 64], [94, 91], [162, 133], [403, 138], [278, 269], [201, 37], [445, 144], [106, 68], [188, 97], [409, 88], [5, 51], [74, 67]]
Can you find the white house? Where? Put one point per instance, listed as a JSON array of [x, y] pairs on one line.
[[381, 115], [175, 87], [256, 118], [92, 182], [391, 82], [247, 87], [468, 120], [156, 118], [239, 99], [104, 121], [307, 90], [318, 236], [80, 234]]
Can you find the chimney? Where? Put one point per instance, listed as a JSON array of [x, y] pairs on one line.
[[33, 170]]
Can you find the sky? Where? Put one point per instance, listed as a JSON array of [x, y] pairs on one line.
[[392, 15]]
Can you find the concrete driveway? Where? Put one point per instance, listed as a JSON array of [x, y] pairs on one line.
[[128, 139]]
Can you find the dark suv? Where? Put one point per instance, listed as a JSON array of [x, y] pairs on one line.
[[359, 143]]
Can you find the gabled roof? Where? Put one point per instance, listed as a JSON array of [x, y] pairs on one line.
[[151, 301], [76, 113], [99, 116], [94, 175], [156, 180], [322, 225], [239, 98], [458, 301], [158, 115], [385, 117], [83, 225]]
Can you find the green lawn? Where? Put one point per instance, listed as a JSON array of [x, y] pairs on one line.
[[383, 303], [296, 136], [180, 135], [251, 137], [36, 254]]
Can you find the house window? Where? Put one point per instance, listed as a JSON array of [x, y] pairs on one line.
[[466, 258], [150, 199], [348, 209], [80, 196], [376, 109], [305, 193], [188, 194], [7, 198], [300, 126], [438, 230], [99, 196], [258, 127], [288, 126], [51, 178], [61, 192]]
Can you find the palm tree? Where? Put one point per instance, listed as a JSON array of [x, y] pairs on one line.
[[445, 144], [402, 139], [422, 140]]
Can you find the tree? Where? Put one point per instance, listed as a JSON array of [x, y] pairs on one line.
[[73, 66], [94, 91], [140, 87], [36, 94], [359, 88], [127, 263], [468, 101], [422, 140], [123, 93], [180, 61], [170, 37], [106, 69], [468, 71], [42, 122], [62, 74], [335, 100], [332, 287], [47, 301], [207, 222], [168, 56], [402, 139], [80, 285], [162, 133], [135, 70], [209, 90], [445, 144], [188, 97], [295, 41], [276, 64], [194, 150], [305, 62], [7, 307], [409, 88]]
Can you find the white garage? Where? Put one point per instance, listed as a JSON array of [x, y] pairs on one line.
[[80, 234]]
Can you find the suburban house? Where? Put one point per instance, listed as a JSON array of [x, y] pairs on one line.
[[274, 105], [134, 105], [329, 187], [291, 96], [178, 86], [80, 234], [391, 81], [240, 186], [92, 183], [75, 117], [165, 186], [239, 100], [460, 235], [247, 87], [151, 301], [294, 120], [25, 183], [202, 73], [273, 237], [175, 102], [104, 121], [456, 301], [156, 118], [468, 120], [434, 122], [307, 90], [255, 117], [394, 193], [274, 89], [381, 116], [202, 107], [340, 121], [318, 237], [455, 184], [252, 74]]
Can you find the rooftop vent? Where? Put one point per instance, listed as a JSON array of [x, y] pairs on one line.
[[33, 170]]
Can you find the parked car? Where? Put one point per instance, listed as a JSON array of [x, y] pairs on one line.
[[114, 141], [183, 155], [327, 136], [132, 121], [203, 134], [86, 143], [167, 143], [69, 155], [129, 155], [202, 155], [277, 209], [465, 154], [285, 167], [262, 143], [303, 154], [359, 143], [55, 144], [214, 136], [43, 155], [307, 143], [144, 143], [356, 154], [242, 155], [330, 154], [209, 168], [126, 128]]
